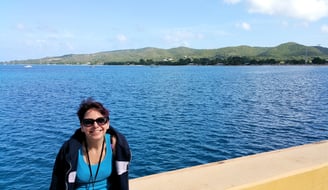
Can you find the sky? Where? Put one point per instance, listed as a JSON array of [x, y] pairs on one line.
[[37, 28]]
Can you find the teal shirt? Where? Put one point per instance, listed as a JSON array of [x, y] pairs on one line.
[[105, 169]]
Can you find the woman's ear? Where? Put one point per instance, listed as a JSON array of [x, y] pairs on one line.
[[107, 124], [82, 128]]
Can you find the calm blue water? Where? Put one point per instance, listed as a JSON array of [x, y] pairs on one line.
[[173, 117]]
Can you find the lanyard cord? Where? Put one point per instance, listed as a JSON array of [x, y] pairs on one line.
[[93, 180]]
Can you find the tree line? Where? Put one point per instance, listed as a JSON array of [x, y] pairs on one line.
[[234, 60]]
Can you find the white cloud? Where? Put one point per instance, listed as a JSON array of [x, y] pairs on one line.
[[303, 24], [181, 37], [232, 1], [285, 23], [20, 26], [244, 26], [308, 10], [324, 28], [121, 38]]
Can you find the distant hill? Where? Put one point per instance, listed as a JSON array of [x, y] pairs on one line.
[[282, 52], [294, 50]]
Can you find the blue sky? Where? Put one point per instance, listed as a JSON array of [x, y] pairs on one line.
[[38, 28]]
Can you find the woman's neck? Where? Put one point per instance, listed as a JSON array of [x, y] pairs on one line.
[[94, 151], [94, 145]]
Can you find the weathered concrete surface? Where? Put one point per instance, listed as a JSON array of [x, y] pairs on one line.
[[249, 172]]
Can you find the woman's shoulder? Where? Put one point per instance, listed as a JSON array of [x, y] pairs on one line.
[[78, 135], [74, 141]]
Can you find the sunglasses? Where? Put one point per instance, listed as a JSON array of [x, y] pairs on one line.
[[89, 122]]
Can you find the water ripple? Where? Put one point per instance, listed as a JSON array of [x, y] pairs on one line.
[[173, 117]]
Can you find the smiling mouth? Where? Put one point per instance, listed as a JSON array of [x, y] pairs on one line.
[[97, 131]]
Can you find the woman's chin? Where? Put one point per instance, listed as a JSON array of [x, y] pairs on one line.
[[96, 135]]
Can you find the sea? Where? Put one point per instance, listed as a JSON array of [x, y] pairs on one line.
[[173, 116]]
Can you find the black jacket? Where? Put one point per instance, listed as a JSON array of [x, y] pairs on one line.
[[64, 170]]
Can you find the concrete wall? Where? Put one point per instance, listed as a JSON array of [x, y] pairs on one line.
[[298, 168], [311, 179]]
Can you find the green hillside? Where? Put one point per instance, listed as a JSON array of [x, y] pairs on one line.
[[281, 52], [244, 51], [293, 51]]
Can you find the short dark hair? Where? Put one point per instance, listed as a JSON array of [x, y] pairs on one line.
[[90, 103]]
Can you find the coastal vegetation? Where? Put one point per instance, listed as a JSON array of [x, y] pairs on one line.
[[288, 53]]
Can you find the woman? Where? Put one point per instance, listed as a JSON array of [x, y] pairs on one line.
[[95, 157]]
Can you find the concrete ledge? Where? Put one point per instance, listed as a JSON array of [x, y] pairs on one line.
[[311, 179], [303, 167]]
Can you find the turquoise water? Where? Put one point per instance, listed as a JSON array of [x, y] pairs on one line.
[[173, 117]]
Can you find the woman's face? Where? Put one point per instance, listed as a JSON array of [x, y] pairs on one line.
[[94, 125]]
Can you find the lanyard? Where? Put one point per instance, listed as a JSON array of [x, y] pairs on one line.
[[93, 180]]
